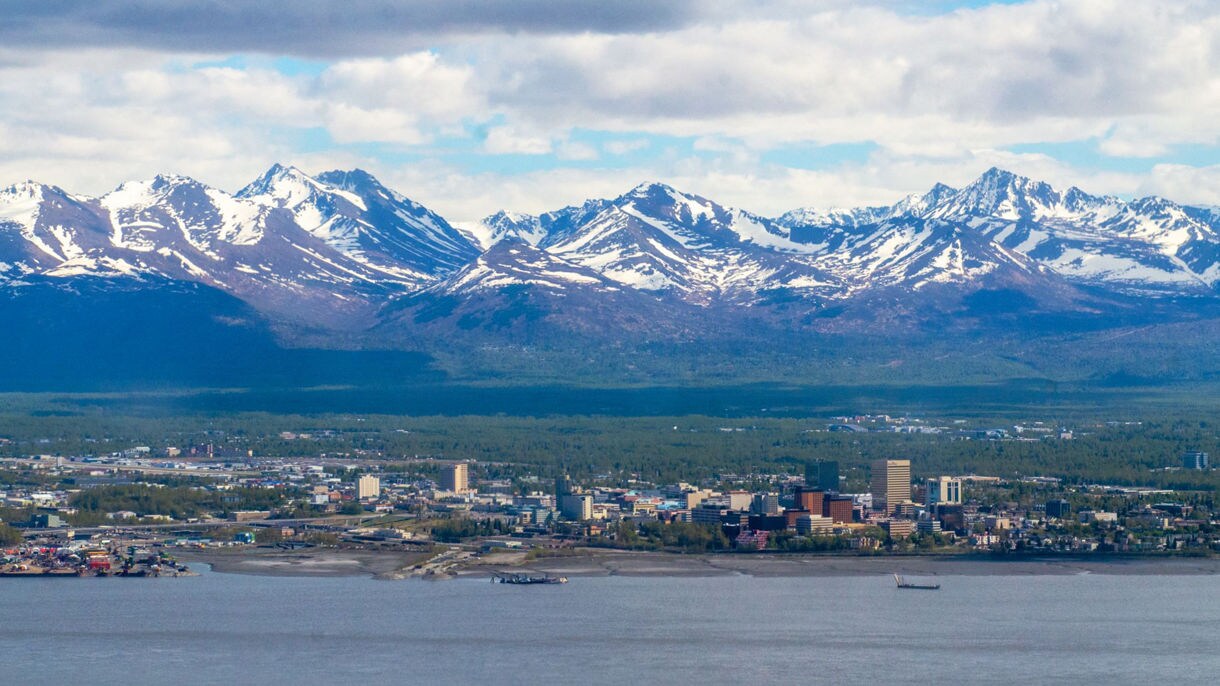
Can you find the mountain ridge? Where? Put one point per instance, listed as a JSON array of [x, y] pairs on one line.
[[338, 250]]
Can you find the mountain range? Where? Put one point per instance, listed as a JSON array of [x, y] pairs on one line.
[[338, 261]]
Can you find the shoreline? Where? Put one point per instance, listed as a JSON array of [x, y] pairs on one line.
[[607, 562], [315, 562]]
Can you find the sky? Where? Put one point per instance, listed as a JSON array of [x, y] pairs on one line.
[[471, 106]]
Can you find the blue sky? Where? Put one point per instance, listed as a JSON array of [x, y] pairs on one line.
[[530, 105]]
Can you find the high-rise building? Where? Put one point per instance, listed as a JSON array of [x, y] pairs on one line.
[[838, 508], [765, 504], [576, 506], [944, 490], [739, 500], [809, 500], [368, 487], [456, 478], [564, 486], [1195, 461], [823, 474], [891, 484]]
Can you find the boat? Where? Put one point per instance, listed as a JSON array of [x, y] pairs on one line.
[[903, 583], [525, 579]]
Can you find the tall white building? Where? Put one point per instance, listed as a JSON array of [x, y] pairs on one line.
[[944, 490], [368, 488]]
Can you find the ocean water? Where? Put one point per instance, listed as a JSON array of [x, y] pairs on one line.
[[233, 629]]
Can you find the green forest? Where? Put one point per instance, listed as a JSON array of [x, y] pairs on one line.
[[1131, 450], [179, 503]]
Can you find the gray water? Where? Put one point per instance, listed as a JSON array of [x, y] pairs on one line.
[[231, 629]]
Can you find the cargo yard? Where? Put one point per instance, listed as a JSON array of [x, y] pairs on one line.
[[89, 560]]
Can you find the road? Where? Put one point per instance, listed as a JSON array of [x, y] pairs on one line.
[[343, 520]]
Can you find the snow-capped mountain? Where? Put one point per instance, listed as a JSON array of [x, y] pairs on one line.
[[657, 239], [42, 228], [357, 216], [517, 263], [339, 250], [337, 260], [295, 247], [1145, 246], [541, 230]]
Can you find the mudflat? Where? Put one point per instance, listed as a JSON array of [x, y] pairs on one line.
[[766, 565], [602, 562], [308, 562]]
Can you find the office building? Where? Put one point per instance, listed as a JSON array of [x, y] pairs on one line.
[[944, 490], [760, 522], [576, 506], [765, 504], [1058, 509], [839, 508], [809, 500], [952, 517], [707, 514], [739, 500], [823, 475], [1195, 461], [898, 528], [368, 488], [891, 484], [692, 499], [814, 525], [456, 478]]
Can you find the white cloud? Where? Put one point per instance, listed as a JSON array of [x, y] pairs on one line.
[[350, 124], [941, 97], [576, 151], [998, 75], [503, 140], [1191, 185], [764, 189], [625, 146], [418, 82]]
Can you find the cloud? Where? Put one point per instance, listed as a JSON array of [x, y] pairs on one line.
[[696, 95], [625, 146], [418, 82], [1000, 75], [350, 124], [503, 140], [769, 190], [576, 151], [317, 28], [1185, 184]]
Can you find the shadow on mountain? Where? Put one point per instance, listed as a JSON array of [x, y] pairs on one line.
[[89, 335]]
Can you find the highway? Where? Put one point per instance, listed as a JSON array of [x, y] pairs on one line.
[[341, 520]]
